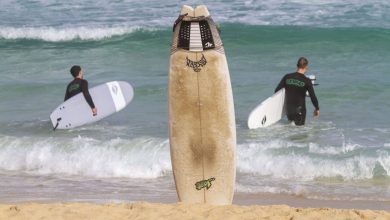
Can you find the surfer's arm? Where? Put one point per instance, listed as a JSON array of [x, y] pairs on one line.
[[66, 94], [281, 84], [313, 97], [87, 96]]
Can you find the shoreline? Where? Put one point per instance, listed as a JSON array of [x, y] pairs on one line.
[[145, 210], [267, 199], [240, 199], [245, 206]]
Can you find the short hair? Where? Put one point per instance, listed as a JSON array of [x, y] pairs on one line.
[[302, 62], [75, 70]]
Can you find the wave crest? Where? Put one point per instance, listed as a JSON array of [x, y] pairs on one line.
[[288, 161], [52, 34], [147, 157], [137, 158]]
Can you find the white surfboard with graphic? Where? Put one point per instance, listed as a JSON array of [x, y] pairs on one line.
[[268, 112], [108, 98]]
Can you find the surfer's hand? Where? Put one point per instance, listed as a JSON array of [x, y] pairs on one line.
[[316, 113], [94, 111]]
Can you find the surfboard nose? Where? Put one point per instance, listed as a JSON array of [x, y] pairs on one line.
[[201, 11], [187, 10]]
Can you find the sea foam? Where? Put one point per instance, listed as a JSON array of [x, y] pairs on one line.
[[148, 157], [53, 34], [137, 158], [285, 160]]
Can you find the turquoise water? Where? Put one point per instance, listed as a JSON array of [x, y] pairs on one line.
[[344, 155]]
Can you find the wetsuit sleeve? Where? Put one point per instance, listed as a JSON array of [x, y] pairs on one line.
[[87, 96], [313, 96], [66, 94], [281, 84]]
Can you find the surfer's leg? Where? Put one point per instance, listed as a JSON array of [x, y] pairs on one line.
[[291, 117], [300, 117]]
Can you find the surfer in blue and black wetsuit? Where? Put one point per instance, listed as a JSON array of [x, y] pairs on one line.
[[296, 85], [79, 85]]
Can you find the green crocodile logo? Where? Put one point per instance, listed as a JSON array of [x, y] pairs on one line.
[[204, 184]]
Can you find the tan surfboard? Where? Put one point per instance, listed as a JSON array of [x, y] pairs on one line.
[[202, 128]]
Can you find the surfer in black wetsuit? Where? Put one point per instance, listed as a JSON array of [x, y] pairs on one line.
[[79, 85], [296, 84]]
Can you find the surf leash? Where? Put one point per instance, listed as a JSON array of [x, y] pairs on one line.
[[178, 20], [58, 122]]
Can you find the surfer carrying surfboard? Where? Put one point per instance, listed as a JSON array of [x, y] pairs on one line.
[[296, 84], [77, 85]]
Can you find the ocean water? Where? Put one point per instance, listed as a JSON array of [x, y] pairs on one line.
[[342, 156]]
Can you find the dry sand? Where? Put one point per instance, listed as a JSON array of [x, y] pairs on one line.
[[85, 211]]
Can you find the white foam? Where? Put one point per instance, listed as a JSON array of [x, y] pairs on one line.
[[138, 158], [308, 163], [147, 157], [332, 150], [53, 34], [384, 161], [332, 13], [261, 189]]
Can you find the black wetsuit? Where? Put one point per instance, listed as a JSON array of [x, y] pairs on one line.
[[296, 85], [77, 86]]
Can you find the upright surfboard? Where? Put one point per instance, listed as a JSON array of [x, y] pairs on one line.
[[201, 112], [268, 112], [108, 98]]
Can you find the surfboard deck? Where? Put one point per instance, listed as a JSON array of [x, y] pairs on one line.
[[108, 98], [268, 112], [201, 114]]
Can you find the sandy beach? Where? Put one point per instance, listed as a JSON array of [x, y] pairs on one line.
[[142, 210], [336, 166]]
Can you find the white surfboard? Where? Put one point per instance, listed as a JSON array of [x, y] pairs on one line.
[[268, 112], [108, 98], [202, 129]]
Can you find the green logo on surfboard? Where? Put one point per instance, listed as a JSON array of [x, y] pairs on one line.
[[204, 184]]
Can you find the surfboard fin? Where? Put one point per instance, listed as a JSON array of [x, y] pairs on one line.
[[58, 122]]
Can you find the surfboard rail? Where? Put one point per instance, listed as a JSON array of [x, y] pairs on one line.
[[109, 98], [268, 112]]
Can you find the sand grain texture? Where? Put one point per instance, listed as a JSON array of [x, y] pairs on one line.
[[142, 210]]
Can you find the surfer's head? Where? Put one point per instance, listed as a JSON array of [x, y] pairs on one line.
[[75, 70], [302, 63]]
